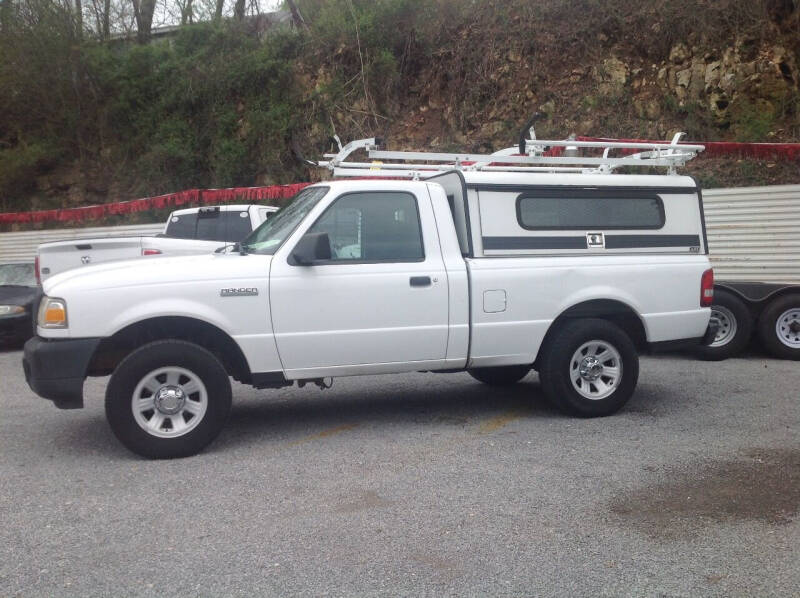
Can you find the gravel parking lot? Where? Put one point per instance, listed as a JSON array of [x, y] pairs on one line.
[[417, 485]]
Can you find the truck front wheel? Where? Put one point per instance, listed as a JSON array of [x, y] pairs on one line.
[[168, 399], [589, 368]]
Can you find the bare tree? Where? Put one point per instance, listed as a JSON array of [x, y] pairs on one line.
[[106, 27], [185, 8], [5, 14], [79, 18], [102, 18], [143, 11], [238, 10], [186, 13], [296, 16], [218, 9]]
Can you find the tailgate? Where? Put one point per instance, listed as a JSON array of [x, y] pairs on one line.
[[64, 255]]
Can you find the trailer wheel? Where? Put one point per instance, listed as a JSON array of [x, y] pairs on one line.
[[779, 327], [589, 368], [168, 399], [736, 327], [500, 376]]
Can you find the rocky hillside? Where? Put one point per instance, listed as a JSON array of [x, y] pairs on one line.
[[223, 105]]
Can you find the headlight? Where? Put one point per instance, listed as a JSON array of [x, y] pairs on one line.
[[52, 313], [11, 310]]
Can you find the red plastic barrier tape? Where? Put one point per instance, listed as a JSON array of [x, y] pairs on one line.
[[181, 198]]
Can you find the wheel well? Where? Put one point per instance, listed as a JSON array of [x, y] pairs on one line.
[[112, 350], [607, 309]]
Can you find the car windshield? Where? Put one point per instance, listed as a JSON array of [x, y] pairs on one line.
[[268, 237], [17, 275]]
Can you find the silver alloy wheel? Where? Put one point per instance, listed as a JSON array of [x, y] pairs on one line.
[[595, 369], [727, 325], [169, 402], [787, 327]]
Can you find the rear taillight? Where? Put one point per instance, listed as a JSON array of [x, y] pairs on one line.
[[36, 270], [151, 251], [707, 288]]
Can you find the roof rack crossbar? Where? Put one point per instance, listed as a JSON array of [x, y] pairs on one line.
[[408, 164]]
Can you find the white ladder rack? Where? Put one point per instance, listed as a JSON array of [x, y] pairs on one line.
[[420, 165]]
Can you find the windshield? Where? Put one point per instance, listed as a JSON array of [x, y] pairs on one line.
[[17, 275], [267, 238]]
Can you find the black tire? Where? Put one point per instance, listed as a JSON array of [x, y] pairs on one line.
[[556, 367], [735, 332], [147, 359], [500, 376], [790, 330]]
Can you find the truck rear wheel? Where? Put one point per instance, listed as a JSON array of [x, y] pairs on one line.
[[779, 327], [168, 399], [736, 327], [589, 368], [500, 376]]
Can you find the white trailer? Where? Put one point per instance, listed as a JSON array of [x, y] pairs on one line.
[[754, 247]]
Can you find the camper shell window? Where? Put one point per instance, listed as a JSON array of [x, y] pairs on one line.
[[590, 209]]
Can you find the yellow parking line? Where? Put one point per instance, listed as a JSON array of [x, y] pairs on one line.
[[495, 423], [324, 434]]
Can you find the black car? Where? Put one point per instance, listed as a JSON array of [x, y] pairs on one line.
[[18, 292]]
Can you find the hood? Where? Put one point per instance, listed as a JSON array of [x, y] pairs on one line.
[[155, 270], [14, 295]]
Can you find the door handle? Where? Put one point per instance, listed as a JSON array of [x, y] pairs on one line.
[[420, 281]]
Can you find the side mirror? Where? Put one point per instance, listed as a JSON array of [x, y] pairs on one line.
[[312, 248]]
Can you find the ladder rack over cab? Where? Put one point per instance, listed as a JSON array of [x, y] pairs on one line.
[[563, 157], [545, 196]]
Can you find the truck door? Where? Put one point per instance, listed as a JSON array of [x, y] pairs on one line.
[[380, 304]]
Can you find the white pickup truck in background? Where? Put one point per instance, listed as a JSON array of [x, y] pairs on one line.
[[186, 232]]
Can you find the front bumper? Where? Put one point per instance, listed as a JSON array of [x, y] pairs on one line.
[[16, 327], [55, 369]]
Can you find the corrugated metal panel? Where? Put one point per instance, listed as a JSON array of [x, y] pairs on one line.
[[21, 247], [754, 233]]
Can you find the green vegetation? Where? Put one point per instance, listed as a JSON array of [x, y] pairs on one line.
[[221, 103], [214, 106], [199, 111]]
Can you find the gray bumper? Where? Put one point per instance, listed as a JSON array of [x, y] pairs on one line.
[[56, 369]]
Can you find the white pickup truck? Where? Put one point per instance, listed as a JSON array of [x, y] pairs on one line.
[[490, 272], [186, 232]]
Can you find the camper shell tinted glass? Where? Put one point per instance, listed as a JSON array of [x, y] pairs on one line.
[[589, 209]]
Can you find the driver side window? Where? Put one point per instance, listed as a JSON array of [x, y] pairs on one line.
[[373, 226]]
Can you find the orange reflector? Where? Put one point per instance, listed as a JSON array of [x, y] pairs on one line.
[[55, 315]]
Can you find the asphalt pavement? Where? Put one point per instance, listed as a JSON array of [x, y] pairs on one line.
[[417, 485]]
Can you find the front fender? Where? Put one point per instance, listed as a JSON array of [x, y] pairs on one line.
[[171, 307]]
